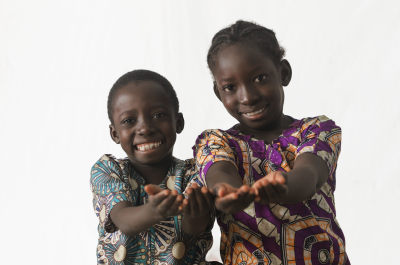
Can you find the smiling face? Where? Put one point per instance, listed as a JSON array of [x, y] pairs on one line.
[[249, 85], [145, 123]]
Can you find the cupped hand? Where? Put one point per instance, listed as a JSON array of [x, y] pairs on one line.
[[271, 189], [165, 203], [199, 203], [232, 200]]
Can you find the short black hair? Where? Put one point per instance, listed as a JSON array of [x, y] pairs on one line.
[[137, 76], [245, 32]]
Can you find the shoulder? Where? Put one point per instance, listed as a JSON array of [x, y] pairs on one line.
[[218, 135], [190, 167], [319, 120], [212, 133], [108, 168], [315, 124], [184, 167]]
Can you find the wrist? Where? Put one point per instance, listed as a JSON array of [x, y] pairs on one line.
[[195, 225]]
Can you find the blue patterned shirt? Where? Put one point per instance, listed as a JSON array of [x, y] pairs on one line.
[[115, 180]]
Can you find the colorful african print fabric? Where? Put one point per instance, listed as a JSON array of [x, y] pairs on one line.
[[302, 233], [115, 180]]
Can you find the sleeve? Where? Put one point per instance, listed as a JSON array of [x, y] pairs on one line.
[[191, 176], [108, 189], [321, 136], [212, 146]]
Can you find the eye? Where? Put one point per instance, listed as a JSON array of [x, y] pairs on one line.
[[227, 88], [260, 78], [128, 121], [158, 115]]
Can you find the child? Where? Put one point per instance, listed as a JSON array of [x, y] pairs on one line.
[[274, 175], [140, 228]]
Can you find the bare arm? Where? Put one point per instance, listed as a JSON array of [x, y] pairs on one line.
[[132, 220], [223, 172], [308, 175], [224, 180]]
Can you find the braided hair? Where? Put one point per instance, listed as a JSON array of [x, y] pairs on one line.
[[248, 33], [138, 76]]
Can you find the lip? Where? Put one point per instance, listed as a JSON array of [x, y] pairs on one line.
[[254, 114], [148, 146]]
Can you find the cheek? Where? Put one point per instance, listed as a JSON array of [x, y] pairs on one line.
[[229, 103]]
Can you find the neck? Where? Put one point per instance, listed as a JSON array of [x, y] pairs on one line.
[[271, 132], [154, 173]]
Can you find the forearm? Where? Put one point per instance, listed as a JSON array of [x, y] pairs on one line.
[[195, 226], [223, 172], [301, 185], [306, 178], [133, 220]]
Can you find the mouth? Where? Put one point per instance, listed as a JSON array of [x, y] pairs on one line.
[[148, 146], [253, 114]]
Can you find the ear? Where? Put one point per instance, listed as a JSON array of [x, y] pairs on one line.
[[114, 134], [180, 123], [216, 91], [286, 72]]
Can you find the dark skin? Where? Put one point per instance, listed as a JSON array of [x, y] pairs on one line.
[[146, 127], [250, 85]]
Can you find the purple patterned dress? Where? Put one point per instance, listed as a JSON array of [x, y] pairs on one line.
[[303, 233]]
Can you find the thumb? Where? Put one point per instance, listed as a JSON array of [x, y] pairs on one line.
[[152, 189], [280, 178]]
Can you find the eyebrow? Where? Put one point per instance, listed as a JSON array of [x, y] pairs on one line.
[[153, 107], [124, 113], [225, 79], [255, 69]]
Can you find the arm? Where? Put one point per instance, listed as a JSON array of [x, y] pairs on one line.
[[132, 220], [222, 177], [308, 175], [316, 159], [224, 180]]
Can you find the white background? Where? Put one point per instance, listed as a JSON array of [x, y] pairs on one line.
[[58, 61]]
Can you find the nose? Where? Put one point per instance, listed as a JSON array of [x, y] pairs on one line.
[[144, 127], [248, 95]]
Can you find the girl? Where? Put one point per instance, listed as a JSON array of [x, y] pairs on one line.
[[135, 227], [274, 175]]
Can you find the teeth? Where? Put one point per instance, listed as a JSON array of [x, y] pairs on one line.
[[255, 112], [149, 146]]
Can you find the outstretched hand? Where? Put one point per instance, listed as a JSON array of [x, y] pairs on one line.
[[232, 200], [166, 203], [199, 203], [271, 189]]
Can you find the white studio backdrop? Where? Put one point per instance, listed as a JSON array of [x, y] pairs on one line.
[[58, 61]]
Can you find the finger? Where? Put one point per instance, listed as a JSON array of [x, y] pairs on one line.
[[221, 192], [281, 189], [201, 200], [244, 189], [246, 196], [159, 197], [243, 192], [250, 196], [262, 194], [194, 185], [164, 206], [272, 193], [193, 203], [174, 209], [225, 203], [152, 189], [186, 207], [174, 192], [281, 179], [208, 196]]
